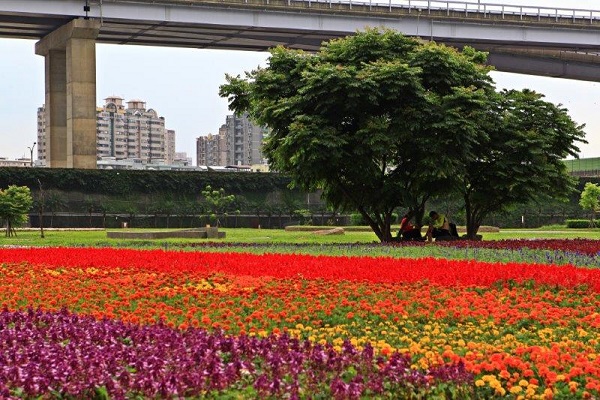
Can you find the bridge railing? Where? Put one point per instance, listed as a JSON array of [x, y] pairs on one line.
[[473, 8], [469, 8]]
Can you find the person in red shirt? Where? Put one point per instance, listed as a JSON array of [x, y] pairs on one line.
[[408, 231]]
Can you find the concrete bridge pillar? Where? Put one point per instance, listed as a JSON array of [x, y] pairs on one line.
[[70, 53]]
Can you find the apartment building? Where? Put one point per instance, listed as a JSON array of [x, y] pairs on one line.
[[210, 150], [239, 142], [124, 132]]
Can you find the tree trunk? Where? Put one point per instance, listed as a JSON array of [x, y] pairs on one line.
[[473, 221], [42, 222], [380, 228], [418, 212]]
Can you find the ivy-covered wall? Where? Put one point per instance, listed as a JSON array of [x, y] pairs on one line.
[[152, 194], [121, 182], [86, 197]]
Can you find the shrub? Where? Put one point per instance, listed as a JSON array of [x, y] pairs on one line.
[[357, 219], [578, 223]]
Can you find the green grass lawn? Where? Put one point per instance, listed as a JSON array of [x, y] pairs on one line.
[[262, 236]]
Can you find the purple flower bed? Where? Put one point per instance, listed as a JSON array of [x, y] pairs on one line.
[[69, 355]]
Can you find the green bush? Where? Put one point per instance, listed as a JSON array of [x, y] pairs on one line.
[[578, 223], [358, 220]]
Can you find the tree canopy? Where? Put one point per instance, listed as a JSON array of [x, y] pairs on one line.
[[15, 203], [379, 121], [521, 158], [590, 200]]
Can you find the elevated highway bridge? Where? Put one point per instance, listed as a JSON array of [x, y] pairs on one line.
[[557, 42]]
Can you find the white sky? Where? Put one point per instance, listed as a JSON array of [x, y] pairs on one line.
[[182, 86]]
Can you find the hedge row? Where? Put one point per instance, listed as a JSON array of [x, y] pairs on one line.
[[118, 182], [581, 223]]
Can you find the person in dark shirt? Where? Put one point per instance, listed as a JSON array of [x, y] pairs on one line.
[[408, 231]]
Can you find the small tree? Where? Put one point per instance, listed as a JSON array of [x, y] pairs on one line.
[[53, 202], [217, 201], [15, 203], [521, 157], [590, 200]]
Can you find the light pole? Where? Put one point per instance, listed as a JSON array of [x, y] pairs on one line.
[[31, 152]]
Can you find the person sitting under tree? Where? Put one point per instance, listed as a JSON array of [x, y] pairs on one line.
[[439, 228], [408, 231]]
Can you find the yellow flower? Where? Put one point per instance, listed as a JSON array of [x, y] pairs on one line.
[[516, 389], [573, 385], [495, 384], [479, 382]]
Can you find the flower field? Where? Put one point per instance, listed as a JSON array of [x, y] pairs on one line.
[[125, 323]]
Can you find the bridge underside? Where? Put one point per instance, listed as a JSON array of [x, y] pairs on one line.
[[526, 58]]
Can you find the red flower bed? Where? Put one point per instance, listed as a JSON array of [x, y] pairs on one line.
[[372, 269]]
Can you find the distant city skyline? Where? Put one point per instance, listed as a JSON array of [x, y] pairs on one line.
[[182, 86]]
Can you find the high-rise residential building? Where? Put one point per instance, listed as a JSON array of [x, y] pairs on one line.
[[244, 139], [131, 132], [239, 142], [170, 146], [222, 146], [209, 151]]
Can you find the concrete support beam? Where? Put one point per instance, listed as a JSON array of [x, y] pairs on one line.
[[56, 104], [70, 53]]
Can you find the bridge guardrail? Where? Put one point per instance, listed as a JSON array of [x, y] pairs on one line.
[[469, 7], [474, 8]]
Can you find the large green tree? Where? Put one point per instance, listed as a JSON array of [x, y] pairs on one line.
[[15, 203], [590, 200], [376, 120], [521, 158]]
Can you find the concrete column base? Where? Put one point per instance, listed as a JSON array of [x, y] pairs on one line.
[[70, 53]]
